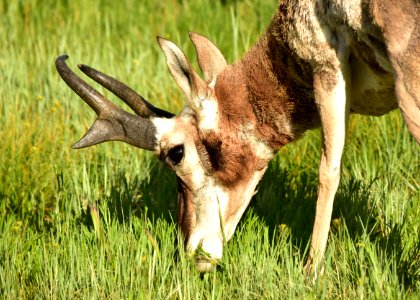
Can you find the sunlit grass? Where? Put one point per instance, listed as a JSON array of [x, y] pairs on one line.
[[100, 222]]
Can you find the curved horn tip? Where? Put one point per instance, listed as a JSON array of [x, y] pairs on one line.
[[84, 144], [82, 66], [60, 62], [86, 69], [77, 146], [62, 57]]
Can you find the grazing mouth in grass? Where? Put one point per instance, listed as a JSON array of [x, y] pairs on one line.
[[203, 260]]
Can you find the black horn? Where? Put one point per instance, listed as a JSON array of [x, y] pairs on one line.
[[113, 123], [135, 101]]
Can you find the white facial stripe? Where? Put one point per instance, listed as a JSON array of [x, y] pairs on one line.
[[208, 111], [197, 177], [209, 213], [209, 115]]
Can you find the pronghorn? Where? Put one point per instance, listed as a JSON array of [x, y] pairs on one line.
[[317, 62]]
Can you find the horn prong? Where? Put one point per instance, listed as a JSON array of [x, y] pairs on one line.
[[113, 123]]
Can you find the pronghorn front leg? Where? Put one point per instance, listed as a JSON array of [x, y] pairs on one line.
[[330, 95]]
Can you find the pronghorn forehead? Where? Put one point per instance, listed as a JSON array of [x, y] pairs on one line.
[[174, 131], [181, 131]]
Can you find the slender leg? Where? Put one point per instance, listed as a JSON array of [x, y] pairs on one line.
[[330, 94]]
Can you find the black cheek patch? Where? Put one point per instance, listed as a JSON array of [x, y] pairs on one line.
[[214, 151]]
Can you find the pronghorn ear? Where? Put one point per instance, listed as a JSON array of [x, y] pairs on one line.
[[188, 80], [210, 59]]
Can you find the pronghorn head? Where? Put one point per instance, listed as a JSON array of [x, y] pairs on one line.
[[212, 145]]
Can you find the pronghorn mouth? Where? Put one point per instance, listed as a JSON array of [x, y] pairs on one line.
[[205, 265]]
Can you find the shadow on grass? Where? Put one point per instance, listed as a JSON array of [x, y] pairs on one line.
[[155, 197], [286, 198], [136, 197]]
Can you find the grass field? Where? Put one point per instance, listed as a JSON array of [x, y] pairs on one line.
[[100, 222]]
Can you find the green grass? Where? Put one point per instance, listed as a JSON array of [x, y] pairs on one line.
[[100, 222]]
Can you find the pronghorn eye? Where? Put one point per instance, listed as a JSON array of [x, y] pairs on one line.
[[176, 154]]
